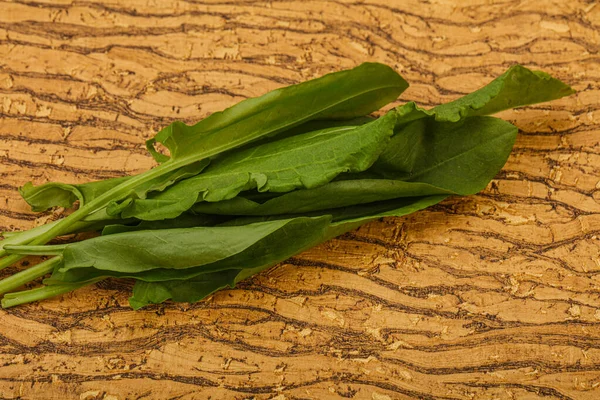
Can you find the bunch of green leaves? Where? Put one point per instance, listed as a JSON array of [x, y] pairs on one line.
[[249, 187]]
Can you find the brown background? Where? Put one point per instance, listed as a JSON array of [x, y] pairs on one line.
[[494, 296]]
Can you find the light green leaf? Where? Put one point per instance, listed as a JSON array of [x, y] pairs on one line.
[[341, 95], [54, 194], [303, 161], [518, 86], [292, 236], [134, 252]]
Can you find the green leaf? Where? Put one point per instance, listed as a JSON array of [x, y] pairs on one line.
[[340, 95], [352, 213], [518, 86], [186, 220], [311, 126], [354, 216], [460, 157], [326, 225], [133, 252], [293, 236], [49, 195], [195, 284], [424, 158], [345, 94], [303, 161], [93, 222], [54, 194], [192, 290], [333, 195]]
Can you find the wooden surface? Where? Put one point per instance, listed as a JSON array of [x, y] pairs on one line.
[[494, 296]]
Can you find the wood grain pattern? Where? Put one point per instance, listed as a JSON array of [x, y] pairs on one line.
[[494, 296]]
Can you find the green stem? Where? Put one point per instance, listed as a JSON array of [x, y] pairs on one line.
[[44, 250], [114, 194], [41, 293], [23, 237], [62, 226], [28, 275], [9, 234]]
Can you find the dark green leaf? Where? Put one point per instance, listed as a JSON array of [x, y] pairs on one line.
[[133, 252], [333, 195], [183, 221], [460, 157], [192, 290], [195, 284], [293, 236]]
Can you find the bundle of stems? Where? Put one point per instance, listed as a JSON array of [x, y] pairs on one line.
[[250, 186]]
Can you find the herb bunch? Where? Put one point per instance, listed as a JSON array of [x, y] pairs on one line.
[[251, 186]]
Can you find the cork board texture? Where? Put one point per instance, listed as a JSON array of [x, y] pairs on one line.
[[493, 296]]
